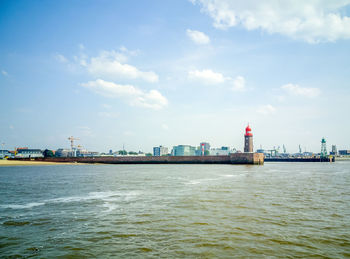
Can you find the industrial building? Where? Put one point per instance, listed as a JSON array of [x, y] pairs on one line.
[[223, 151], [344, 152], [160, 151], [184, 150], [28, 153], [63, 152], [334, 151], [5, 153]]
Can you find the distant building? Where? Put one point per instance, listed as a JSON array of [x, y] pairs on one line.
[[63, 152], [184, 150], [334, 151], [29, 153], [223, 151], [344, 152], [5, 153], [160, 151]]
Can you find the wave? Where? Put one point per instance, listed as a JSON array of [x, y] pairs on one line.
[[108, 196], [22, 206], [110, 206]]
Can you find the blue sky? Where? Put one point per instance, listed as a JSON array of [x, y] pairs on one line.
[[148, 73]]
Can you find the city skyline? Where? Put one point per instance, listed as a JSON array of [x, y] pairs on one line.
[[144, 74]]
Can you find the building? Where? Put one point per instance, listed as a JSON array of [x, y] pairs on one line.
[[223, 151], [4, 153], [63, 152], [160, 151], [344, 152], [29, 153], [334, 151], [248, 140], [184, 150]]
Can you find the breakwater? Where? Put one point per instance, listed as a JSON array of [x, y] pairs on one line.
[[300, 159], [237, 158]]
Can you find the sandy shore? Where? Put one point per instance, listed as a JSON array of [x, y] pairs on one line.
[[4, 162]]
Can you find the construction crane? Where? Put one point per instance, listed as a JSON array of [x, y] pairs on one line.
[[71, 139]]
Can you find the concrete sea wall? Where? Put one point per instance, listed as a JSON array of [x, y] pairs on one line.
[[237, 158], [301, 159]]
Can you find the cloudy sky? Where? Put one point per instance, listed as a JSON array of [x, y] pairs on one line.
[[147, 73]]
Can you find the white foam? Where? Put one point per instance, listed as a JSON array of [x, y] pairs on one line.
[[104, 196], [233, 175], [199, 181], [193, 182], [110, 206], [108, 196], [22, 206]]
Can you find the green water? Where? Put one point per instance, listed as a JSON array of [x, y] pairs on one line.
[[176, 211]]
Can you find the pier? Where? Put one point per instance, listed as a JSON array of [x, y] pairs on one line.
[[300, 159], [236, 158]]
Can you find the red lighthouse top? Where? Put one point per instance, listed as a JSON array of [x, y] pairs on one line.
[[248, 131]]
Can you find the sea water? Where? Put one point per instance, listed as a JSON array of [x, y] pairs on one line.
[[176, 211]]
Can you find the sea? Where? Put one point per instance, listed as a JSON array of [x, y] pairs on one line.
[[276, 210]]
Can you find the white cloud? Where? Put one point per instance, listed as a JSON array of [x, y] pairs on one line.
[[266, 109], [239, 84], [129, 52], [135, 96], [61, 58], [198, 37], [296, 90], [310, 21], [4, 73], [206, 76], [111, 64]]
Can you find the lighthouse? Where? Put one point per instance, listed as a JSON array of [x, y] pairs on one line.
[[248, 140]]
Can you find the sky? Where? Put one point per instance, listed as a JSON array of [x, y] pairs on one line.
[[149, 73]]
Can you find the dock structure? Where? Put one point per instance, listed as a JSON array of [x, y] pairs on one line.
[[300, 159], [236, 158]]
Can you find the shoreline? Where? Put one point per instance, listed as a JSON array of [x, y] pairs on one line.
[[4, 162]]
